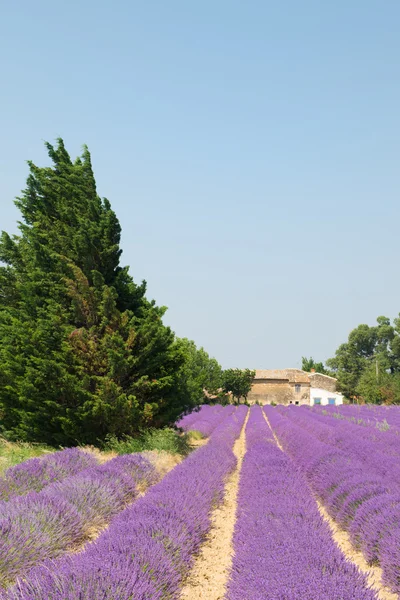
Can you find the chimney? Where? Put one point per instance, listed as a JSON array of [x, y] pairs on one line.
[[312, 370]]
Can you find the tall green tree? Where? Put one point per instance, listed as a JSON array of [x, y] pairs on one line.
[[83, 353]]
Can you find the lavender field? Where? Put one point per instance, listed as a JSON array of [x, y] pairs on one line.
[[278, 503]]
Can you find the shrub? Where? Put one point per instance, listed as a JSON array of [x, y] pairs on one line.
[[193, 435], [166, 439]]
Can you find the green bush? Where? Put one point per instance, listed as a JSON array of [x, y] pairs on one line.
[[165, 439], [193, 435]]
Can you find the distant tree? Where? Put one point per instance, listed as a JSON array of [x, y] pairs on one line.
[[307, 364], [386, 343], [378, 386], [238, 381], [365, 363], [198, 372]]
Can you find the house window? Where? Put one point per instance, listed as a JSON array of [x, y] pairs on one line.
[[297, 402], [317, 401], [331, 401], [297, 388]]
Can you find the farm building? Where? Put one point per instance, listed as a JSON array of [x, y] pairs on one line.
[[293, 386]]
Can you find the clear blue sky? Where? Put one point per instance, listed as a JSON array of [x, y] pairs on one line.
[[249, 149]]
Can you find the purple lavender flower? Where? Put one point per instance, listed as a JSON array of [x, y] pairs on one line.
[[36, 473], [355, 478], [206, 419], [43, 525], [283, 548], [149, 547]]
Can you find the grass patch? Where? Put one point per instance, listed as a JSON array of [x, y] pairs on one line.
[[194, 435], [167, 440], [12, 453], [162, 440]]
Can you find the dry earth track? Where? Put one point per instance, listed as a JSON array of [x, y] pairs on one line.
[[209, 575]]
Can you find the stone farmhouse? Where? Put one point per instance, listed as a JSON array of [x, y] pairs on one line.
[[293, 386]]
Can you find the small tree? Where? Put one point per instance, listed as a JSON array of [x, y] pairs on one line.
[[238, 381], [198, 372], [309, 363], [378, 386]]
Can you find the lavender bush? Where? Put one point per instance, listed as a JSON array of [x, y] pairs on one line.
[[149, 547], [376, 416], [207, 423], [36, 473], [186, 421], [360, 494], [33, 528], [283, 548], [351, 437], [46, 524], [257, 429], [206, 419]]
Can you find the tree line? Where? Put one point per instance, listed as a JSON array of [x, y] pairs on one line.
[[367, 366], [83, 352]]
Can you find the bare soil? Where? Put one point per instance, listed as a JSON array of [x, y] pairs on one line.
[[209, 576], [101, 456], [198, 443], [163, 461]]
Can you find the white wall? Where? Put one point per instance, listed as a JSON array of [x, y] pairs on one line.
[[324, 395]]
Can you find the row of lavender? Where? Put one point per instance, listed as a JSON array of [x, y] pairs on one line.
[[149, 547], [381, 417], [357, 485], [205, 419], [378, 452], [36, 473], [61, 517], [354, 440], [283, 548]]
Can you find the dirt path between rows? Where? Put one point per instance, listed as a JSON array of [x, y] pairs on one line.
[[209, 575], [342, 540], [273, 432]]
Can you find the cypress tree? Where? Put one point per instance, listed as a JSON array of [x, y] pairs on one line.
[[83, 353]]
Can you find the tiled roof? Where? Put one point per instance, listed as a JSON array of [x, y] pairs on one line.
[[322, 375], [295, 375]]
